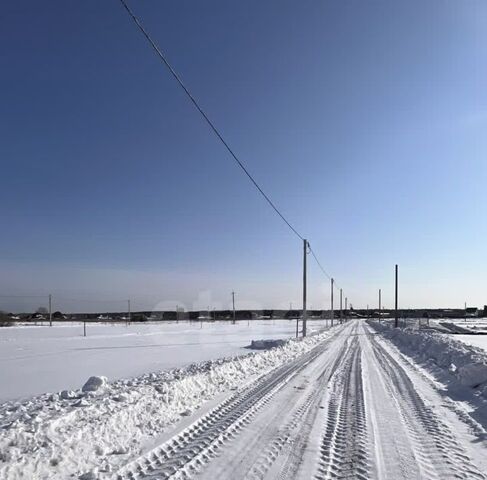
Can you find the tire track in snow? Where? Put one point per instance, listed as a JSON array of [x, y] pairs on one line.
[[188, 452], [290, 442], [437, 452], [344, 451]]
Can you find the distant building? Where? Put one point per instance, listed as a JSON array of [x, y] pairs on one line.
[[471, 312]]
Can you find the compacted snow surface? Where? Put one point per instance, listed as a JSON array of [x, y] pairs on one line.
[[357, 401]]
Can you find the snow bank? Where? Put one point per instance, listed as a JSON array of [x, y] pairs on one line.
[[94, 383], [266, 344], [88, 433], [464, 363]]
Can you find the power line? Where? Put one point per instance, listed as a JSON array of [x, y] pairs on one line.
[[318, 262], [205, 116], [163, 58]]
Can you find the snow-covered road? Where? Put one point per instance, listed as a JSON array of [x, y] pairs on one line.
[[351, 407]]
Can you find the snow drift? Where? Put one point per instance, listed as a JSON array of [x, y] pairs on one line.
[[465, 364], [266, 344]]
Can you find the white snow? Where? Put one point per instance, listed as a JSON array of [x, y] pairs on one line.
[[354, 406], [460, 363], [54, 436], [479, 341], [43, 359]]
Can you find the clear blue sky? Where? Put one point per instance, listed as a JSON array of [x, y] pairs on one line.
[[365, 121]]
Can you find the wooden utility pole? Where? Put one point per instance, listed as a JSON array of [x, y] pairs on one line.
[[233, 305], [332, 313], [305, 313], [341, 309], [396, 322], [50, 310]]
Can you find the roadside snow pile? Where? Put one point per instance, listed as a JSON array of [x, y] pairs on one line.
[[89, 432], [94, 383], [466, 364], [266, 344]]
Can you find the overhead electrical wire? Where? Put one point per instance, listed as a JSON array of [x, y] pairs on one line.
[[319, 264], [205, 116], [163, 58]]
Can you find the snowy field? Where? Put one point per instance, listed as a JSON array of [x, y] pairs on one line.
[[479, 341], [40, 359]]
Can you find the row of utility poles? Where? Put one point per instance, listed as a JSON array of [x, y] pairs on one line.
[[305, 312]]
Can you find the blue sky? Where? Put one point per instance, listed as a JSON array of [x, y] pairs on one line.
[[364, 121]]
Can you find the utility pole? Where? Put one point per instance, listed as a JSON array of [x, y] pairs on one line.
[[305, 313], [332, 313], [233, 304], [341, 309], [396, 322], [130, 315], [346, 305], [379, 304], [50, 310]]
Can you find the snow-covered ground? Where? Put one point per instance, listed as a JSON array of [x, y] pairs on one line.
[[84, 433], [479, 341], [39, 359], [361, 401]]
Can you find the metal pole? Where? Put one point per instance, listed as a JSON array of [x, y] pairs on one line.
[[297, 327], [50, 310], [379, 304], [84, 328], [341, 311], [332, 313], [305, 313], [233, 304], [396, 323]]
